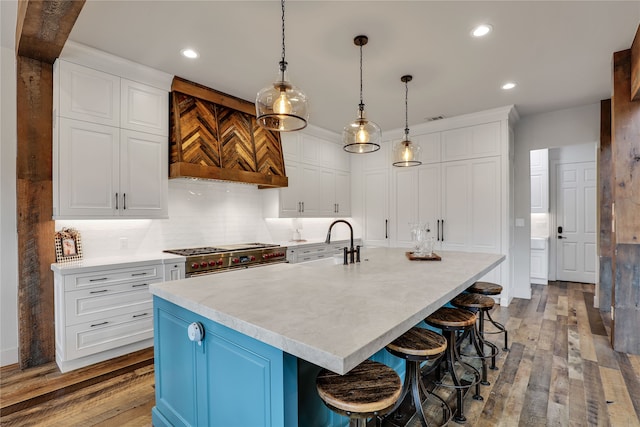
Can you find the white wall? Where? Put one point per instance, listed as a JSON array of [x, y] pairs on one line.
[[572, 126]]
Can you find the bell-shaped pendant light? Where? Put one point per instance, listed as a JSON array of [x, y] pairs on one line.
[[405, 152], [361, 135], [282, 106]]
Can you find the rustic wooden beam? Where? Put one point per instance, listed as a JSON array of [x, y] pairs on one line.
[[625, 142], [605, 199], [211, 95], [635, 67], [183, 169], [42, 28]]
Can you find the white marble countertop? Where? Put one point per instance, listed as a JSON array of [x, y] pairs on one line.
[[302, 243], [115, 262], [330, 314]]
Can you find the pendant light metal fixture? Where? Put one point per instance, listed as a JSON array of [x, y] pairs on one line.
[[361, 135], [282, 106], [405, 152]]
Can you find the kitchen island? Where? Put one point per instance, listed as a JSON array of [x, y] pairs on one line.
[[266, 331]]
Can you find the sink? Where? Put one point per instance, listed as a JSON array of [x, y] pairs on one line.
[[539, 242]]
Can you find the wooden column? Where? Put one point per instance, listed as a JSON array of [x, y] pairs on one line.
[[605, 199], [42, 29], [626, 197]]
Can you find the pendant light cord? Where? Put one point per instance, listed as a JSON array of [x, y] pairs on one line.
[[406, 110], [361, 106], [283, 63]]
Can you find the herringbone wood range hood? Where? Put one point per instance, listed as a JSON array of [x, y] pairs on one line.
[[215, 136]]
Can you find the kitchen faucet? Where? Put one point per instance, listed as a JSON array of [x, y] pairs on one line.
[[351, 251]]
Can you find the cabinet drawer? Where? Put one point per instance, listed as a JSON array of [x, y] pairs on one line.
[[112, 277], [90, 338], [98, 303]]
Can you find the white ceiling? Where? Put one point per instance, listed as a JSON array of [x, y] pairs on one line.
[[558, 52]]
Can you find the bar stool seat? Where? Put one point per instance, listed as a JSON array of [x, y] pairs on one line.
[[418, 345], [488, 288], [453, 321], [485, 288], [478, 304], [370, 389]]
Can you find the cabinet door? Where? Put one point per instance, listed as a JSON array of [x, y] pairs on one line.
[[406, 204], [429, 196], [471, 205], [289, 197], [429, 147], [144, 175], [455, 197], [144, 108], [343, 193], [87, 172], [310, 196], [328, 205], [471, 142], [89, 95], [376, 205]]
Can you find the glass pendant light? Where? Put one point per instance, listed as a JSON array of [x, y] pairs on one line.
[[361, 135], [282, 106], [405, 152]]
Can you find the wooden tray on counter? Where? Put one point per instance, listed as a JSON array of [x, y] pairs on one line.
[[433, 257]]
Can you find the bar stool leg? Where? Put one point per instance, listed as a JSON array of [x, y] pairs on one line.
[[502, 329]]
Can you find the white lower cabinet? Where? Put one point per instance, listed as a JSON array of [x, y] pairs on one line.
[[315, 251], [105, 311]]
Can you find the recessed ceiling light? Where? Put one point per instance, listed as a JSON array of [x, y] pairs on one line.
[[189, 53], [508, 85], [481, 30]]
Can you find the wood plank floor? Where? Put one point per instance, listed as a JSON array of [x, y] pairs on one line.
[[560, 371]]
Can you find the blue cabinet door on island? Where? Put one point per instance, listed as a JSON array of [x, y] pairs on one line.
[[227, 379]]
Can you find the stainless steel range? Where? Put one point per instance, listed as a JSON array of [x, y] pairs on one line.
[[207, 260]]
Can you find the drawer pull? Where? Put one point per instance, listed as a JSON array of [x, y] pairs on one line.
[[140, 315], [139, 285], [100, 291], [99, 324], [98, 280], [138, 274]]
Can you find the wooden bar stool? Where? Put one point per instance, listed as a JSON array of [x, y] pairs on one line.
[[415, 346], [454, 321], [488, 288], [478, 304], [368, 390]]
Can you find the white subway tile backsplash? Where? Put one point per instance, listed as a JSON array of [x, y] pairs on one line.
[[201, 213]]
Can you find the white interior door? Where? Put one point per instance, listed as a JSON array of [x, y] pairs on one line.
[[576, 222]]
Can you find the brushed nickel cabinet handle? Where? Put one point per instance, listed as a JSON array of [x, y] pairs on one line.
[[140, 315], [116, 201], [99, 292], [124, 201], [139, 285], [98, 280], [138, 274]]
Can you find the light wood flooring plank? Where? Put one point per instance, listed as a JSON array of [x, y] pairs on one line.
[[619, 405]]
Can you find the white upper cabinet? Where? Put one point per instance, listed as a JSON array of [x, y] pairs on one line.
[[430, 147], [539, 181], [144, 108], [319, 178], [87, 94], [471, 142], [110, 149], [88, 177], [143, 174]]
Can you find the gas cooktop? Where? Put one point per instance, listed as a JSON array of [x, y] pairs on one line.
[[213, 259], [206, 250]]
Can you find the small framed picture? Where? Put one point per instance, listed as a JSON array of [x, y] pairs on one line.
[[68, 245]]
